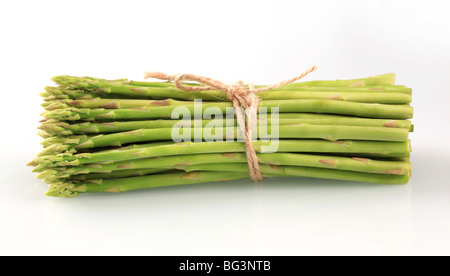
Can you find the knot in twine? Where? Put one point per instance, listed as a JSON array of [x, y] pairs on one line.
[[240, 96]]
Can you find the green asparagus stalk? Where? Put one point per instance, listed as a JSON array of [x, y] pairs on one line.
[[89, 82], [328, 119], [64, 128], [167, 90], [52, 93], [288, 159], [109, 103], [305, 172], [68, 140], [299, 131], [301, 86], [385, 79], [57, 145], [58, 148], [63, 93], [115, 174], [378, 148], [229, 172], [285, 106], [382, 98], [57, 94], [365, 89], [68, 189]]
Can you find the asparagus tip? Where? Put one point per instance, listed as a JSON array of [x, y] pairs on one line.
[[62, 190], [85, 145]]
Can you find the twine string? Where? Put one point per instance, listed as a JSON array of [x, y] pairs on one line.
[[240, 96]]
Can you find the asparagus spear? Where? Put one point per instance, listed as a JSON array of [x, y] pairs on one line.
[[347, 120], [90, 82], [382, 98], [52, 93], [289, 159], [63, 128], [57, 145], [382, 86], [378, 148], [115, 174], [109, 103], [167, 90], [58, 93], [331, 133], [385, 79], [225, 172], [306, 172], [362, 97], [285, 106], [68, 140], [365, 89], [68, 189]]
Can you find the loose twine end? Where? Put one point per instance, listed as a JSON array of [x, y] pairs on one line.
[[240, 96], [157, 75]]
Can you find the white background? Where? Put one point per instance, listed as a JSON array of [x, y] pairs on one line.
[[260, 41]]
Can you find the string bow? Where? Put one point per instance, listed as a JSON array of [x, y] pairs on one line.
[[240, 96]]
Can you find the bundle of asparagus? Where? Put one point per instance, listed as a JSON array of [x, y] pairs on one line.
[[117, 135]]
